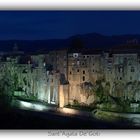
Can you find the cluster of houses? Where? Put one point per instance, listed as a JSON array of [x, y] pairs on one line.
[[56, 76]]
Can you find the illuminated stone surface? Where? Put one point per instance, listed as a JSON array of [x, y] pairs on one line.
[[58, 77]]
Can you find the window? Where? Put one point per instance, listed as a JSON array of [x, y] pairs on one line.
[[120, 69], [75, 55], [125, 59], [83, 71], [120, 78], [93, 64], [83, 78], [93, 70], [77, 70], [130, 63], [70, 72], [132, 69], [78, 62]]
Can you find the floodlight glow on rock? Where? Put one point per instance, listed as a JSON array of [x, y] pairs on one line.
[[32, 106]]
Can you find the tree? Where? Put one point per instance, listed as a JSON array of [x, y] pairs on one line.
[[99, 89], [15, 80], [6, 91], [88, 89], [94, 89], [107, 90]]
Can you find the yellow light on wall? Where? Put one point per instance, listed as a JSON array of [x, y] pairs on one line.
[[69, 111]]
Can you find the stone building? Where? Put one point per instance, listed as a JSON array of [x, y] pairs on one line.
[[121, 68], [32, 77], [82, 68], [60, 77]]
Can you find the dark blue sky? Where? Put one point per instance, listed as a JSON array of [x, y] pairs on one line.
[[62, 24]]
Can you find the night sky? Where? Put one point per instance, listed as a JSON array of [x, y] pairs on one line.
[[62, 24]]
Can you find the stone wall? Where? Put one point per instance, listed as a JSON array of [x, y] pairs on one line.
[[63, 95]]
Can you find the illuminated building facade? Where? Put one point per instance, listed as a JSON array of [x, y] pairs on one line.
[[57, 77]]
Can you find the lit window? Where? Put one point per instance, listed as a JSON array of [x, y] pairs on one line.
[[78, 62], [120, 69]]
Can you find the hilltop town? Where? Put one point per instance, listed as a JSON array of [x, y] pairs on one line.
[[64, 77]]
